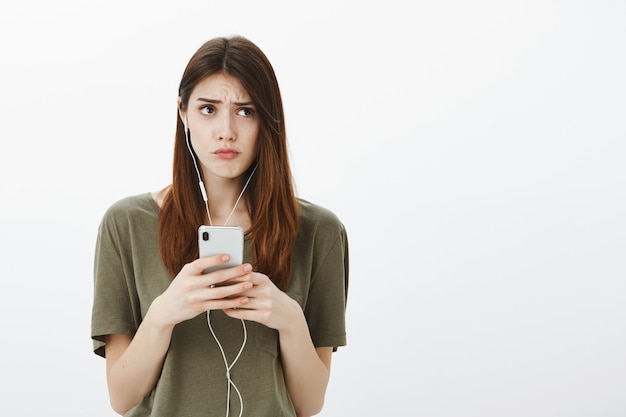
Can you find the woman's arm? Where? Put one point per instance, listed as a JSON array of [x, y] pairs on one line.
[[307, 369], [134, 364]]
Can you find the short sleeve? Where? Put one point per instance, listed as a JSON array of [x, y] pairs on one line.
[[114, 306], [326, 302]]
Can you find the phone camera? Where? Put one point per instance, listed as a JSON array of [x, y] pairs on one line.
[[205, 236]]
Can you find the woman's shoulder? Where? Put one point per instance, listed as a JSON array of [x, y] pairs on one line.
[[314, 216], [132, 206]]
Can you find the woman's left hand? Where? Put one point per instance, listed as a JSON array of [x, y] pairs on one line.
[[266, 304], [306, 368]]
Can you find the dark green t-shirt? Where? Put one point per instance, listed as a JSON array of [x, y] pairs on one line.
[[129, 275]]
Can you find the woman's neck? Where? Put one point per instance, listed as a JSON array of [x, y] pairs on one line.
[[225, 202], [219, 212]]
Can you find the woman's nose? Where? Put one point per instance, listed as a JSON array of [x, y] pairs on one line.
[[226, 128]]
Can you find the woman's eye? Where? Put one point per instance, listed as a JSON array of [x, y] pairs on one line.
[[245, 111], [207, 110]]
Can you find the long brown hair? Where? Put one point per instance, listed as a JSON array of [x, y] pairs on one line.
[[272, 204]]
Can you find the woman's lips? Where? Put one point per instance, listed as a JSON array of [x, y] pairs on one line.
[[226, 153]]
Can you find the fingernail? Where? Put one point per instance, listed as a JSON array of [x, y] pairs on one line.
[[247, 268], [225, 258]]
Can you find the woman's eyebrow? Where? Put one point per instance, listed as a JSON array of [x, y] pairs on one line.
[[215, 101]]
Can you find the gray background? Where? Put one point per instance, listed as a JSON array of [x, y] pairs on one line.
[[474, 150]]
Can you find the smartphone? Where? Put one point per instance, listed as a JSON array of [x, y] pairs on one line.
[[214, 240]]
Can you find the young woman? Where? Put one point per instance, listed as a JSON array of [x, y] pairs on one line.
[[176, 341]]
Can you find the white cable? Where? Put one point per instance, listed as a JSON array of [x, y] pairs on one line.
[[229, 367], [200, 183], [208, 313], [241, 193]]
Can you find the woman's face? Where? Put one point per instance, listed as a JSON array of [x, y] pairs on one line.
[[224, 127]]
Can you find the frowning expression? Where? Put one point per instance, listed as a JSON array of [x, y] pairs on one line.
[[224, 127]]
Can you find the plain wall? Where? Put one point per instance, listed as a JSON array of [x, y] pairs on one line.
[[474, 150]]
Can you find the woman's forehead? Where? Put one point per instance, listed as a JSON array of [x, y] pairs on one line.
[[222, 88]]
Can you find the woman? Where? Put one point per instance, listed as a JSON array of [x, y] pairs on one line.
[[176, 341]]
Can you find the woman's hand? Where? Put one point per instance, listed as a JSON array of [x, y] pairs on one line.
[[193, 292], [134, 363], [306, 368], [264, 302]]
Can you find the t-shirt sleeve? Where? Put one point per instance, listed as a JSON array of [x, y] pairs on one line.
[[114, 308], [326, 306]]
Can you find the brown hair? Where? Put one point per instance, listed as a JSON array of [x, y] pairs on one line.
[[272, 204]]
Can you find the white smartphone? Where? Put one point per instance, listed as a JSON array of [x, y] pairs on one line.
[[214, 240]]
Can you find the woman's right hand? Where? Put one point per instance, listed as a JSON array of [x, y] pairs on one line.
[[134, 363], [192, 292]]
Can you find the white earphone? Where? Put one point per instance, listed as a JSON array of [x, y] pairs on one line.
[[208, 313]]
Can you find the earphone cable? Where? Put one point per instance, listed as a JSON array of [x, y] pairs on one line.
[[243, 323], [229, 367], [200, 183]]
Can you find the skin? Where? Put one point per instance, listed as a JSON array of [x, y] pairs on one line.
[[220, 116]]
